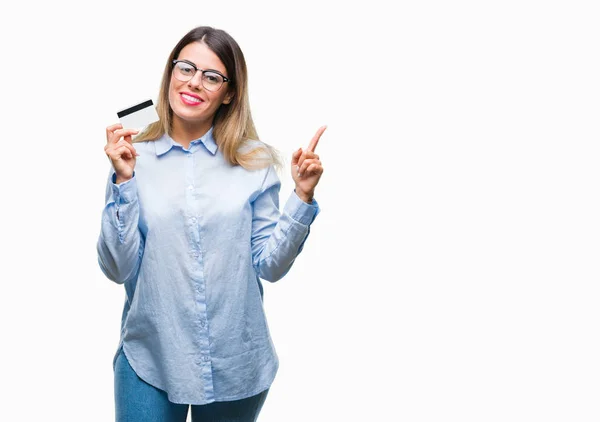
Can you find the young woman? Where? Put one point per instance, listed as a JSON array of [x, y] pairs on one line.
[[191, 223]]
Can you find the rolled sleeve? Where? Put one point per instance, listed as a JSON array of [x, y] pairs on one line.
[[124, 193], [120, 244], [300, 211]]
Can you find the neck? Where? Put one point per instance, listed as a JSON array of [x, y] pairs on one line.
[[185, 132]]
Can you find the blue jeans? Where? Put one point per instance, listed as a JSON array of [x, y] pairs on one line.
[[138, 401]]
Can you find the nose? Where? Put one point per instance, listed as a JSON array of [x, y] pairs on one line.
[[196, 81]]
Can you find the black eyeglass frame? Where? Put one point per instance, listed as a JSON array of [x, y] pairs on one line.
[[196, 69]]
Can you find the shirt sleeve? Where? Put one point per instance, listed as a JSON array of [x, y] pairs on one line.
[[278, 238], [120, 244]]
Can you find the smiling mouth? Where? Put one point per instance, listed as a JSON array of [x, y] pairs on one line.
[[188, 99]]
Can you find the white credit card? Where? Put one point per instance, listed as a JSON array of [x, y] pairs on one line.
[[138, 116]]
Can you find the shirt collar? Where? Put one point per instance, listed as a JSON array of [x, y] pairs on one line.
[[165, 143]]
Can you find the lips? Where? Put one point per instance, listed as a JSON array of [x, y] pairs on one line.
[[190, 99]]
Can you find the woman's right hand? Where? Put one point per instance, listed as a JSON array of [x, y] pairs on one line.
[[120, 151]]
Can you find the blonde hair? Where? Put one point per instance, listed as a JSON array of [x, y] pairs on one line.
[[233, 125]]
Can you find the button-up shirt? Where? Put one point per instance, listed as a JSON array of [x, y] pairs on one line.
[[190, 236]]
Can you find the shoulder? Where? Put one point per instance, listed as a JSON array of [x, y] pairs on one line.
[[259, 155], [264, 174]]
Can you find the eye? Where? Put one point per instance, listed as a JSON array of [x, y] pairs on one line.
[[185, 68], [213, 78]]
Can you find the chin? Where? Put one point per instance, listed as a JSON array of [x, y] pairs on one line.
[[190, 118]]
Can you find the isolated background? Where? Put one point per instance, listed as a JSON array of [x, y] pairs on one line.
[[453, 271]]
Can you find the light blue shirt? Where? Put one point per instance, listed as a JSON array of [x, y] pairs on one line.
[[189, 236]]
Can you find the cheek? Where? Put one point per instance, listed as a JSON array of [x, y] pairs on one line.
[[217, 98], [175, 87], [213, 100], [171, 93]]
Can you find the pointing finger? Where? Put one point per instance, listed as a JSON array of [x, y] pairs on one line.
[[315, 139]]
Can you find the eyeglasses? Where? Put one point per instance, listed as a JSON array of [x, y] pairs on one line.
[[211, 79]]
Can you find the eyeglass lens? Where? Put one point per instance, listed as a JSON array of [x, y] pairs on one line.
[[210, 80]]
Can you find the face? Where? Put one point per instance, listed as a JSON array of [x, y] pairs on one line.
[[190, 101]]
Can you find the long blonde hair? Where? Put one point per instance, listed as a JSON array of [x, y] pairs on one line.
[[233, 125]]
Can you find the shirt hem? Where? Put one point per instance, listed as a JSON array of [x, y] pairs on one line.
[[220, 399]]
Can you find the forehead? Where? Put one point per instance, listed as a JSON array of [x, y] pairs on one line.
[[202, 56]]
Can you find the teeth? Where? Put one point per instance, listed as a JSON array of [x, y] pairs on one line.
[[187, 97]]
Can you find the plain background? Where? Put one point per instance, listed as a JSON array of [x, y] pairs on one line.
[[453, 271]]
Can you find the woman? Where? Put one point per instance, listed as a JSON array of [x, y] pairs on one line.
[[191, 222]]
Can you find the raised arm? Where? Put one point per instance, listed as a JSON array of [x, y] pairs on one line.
[[278, 238], [120, 244]]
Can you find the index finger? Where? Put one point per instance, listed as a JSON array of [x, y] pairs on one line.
[[315, 139], [113, 137], [110, 130], [114, 127]]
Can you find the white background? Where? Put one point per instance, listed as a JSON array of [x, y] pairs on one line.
[[453, 272]]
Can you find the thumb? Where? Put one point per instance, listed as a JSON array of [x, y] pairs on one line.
[[296, 156]]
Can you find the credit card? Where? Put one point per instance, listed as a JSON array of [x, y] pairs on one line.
[[138, 116]]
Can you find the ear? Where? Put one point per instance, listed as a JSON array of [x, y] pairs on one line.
[[228, 98]]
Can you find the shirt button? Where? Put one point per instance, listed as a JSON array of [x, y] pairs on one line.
[[206, 358], [190, 187], [193, 219], [202, 323], [195, 254]]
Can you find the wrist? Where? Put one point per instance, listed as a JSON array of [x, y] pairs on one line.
[[121, 179], [305, 196]]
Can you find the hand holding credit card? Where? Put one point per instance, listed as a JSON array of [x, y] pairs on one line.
[[138, 116]]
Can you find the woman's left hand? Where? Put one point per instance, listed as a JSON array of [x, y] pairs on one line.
[[307, 168]]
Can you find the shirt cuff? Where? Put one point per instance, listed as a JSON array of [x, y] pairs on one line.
[[301, 211], [126, 192]]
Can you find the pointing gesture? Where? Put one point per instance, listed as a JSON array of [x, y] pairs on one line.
[[307, 168], [315, 140]]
